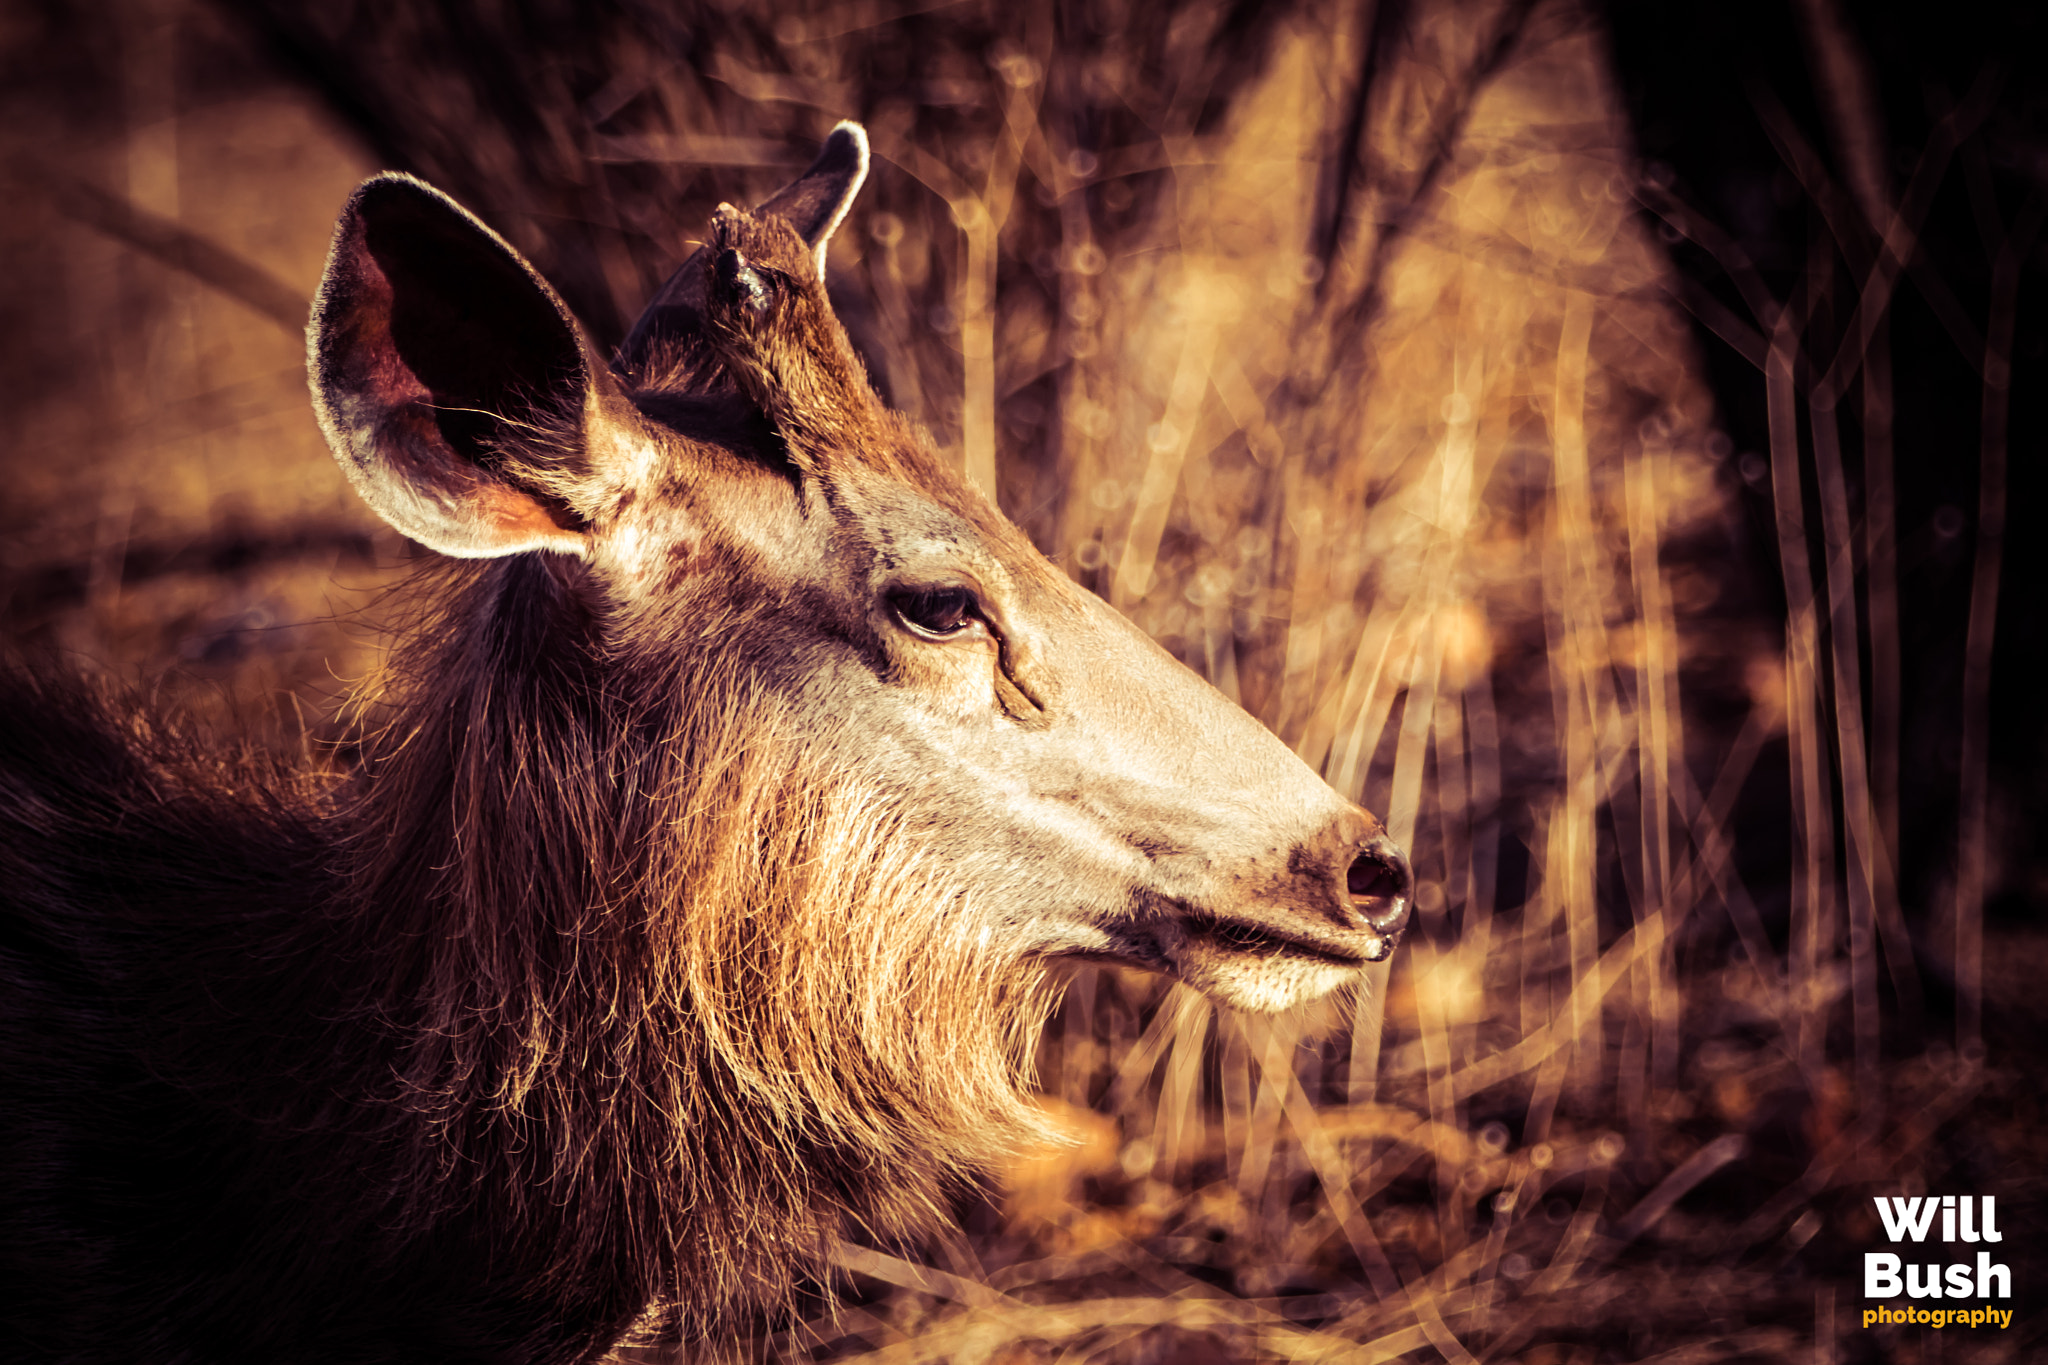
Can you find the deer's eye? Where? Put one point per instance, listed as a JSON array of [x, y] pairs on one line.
[[936, 613]]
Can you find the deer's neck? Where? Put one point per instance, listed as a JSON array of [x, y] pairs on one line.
[[671, 961]]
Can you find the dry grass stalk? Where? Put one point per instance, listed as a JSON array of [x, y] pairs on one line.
[[1332, 347]]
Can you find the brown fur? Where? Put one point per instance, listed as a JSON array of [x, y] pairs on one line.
[[689, 905], [647, 1002]]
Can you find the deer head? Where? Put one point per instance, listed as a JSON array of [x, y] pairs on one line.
[[732, 484]]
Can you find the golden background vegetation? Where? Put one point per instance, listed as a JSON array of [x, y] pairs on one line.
[[1345, 353]]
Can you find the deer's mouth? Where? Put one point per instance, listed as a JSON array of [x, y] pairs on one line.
[[1259, 963], [1255, 939]]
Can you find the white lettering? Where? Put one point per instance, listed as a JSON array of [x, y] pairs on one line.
[[1881, 1275], [1969, 1226], [1948, 1218], [1959, 1281], [1908, 1217], [1923, 1287], [1991, 1233], [1985, 1270]]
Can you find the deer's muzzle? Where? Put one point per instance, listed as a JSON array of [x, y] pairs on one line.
[[1272, 930]]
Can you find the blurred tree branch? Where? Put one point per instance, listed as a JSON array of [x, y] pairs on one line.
[[176, 246]]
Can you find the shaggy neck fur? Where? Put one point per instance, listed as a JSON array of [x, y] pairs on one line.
[[668, 985]]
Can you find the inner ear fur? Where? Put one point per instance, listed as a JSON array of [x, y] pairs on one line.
[[434, 350]]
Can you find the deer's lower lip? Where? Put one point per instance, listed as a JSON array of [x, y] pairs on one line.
[[1173, 936], [1264, 940]]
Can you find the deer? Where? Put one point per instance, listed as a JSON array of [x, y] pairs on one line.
[[721, 827]]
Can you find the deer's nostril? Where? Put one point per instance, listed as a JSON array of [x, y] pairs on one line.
[[1370, 878], [1381, 886]]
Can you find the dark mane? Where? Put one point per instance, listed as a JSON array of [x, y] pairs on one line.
[[685, 907], [581, 967]]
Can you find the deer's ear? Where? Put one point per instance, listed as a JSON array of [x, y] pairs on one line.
[[432, 344], [816, 202]]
